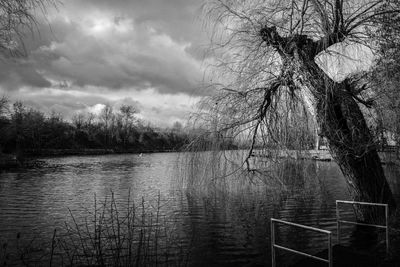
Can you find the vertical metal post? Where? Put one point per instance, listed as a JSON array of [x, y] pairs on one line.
[[337, 222], [273, 243], [387, 227], [330, 250]]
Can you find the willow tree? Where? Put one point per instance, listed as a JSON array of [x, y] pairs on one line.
[[269, 54], [16, 17]]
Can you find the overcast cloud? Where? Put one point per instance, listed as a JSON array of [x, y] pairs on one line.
[[97, 52]]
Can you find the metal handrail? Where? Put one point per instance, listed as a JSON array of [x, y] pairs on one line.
[[274, 245], [385, 226]]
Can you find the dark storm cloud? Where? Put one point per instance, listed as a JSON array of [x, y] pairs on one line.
[[178, 18], [116, 44], [98, 52], [15, 74]]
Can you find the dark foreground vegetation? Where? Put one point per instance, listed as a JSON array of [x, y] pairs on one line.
[[112, 234], [26, 131]]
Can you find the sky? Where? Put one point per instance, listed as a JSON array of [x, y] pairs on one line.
[[151, 54], [89, 53]]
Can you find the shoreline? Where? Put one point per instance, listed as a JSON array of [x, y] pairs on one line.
[[9, 161], [386, 157], [91, 151]]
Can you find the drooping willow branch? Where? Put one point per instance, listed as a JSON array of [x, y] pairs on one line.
[[262, 111]]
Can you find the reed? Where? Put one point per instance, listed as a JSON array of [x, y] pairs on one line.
[[112, 234]]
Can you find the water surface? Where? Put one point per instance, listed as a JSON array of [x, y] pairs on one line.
[[219, 228]]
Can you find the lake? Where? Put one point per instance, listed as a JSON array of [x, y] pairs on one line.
[[213, 227]]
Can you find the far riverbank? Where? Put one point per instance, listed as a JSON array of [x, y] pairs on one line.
[[387, 157], [95, 151], [8, 161]]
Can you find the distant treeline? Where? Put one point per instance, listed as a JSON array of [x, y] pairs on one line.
[[28, 131]]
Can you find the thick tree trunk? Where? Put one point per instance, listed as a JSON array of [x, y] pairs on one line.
[[352, 146], [350, 141]]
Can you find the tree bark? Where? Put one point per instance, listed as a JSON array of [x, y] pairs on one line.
[[353, 147], [350, 141]]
